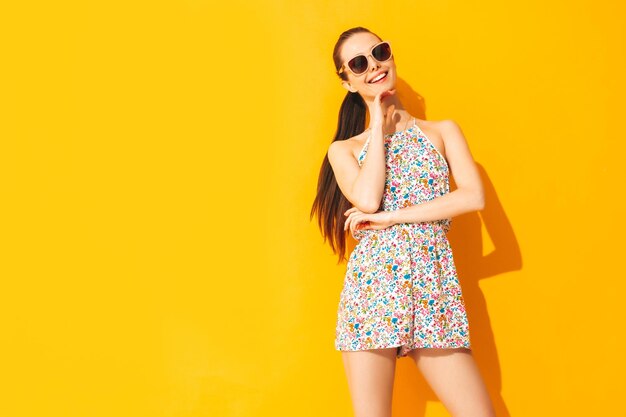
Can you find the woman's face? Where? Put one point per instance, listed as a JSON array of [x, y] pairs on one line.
[[362, 43]]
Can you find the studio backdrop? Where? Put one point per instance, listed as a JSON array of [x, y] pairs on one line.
[[159, 160]]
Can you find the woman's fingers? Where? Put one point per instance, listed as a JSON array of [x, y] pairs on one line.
[[350, 221], [388, 93], [355, 221], [354, 229], [354, 226], [351, 218], [385, 93]]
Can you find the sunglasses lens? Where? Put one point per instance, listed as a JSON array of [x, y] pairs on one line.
[[382, 52], [358, 64]]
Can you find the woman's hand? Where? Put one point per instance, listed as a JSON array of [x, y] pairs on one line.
[[357, 220], [382, 115]]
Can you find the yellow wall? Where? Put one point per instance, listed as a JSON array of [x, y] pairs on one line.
[[158, 162]]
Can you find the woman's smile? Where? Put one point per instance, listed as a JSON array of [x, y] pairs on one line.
[[379, 78]]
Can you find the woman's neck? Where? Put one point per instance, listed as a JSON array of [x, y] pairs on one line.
[[401, 115]]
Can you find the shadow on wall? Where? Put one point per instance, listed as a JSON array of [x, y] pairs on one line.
[[411, 391]]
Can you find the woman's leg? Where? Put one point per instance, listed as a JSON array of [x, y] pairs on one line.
[[370, 375], [454, 376]]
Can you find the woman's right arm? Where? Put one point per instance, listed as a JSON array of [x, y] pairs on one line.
[[363, 186]]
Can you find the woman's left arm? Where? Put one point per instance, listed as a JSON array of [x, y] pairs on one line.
[[469, 195]]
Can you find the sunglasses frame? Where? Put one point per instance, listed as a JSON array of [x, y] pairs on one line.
[[341, 69]]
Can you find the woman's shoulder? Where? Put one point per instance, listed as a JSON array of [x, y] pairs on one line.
[[352, 145], [438, 125], [439, 128]]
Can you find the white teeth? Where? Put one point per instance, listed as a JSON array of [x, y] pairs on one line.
[[379, 77]]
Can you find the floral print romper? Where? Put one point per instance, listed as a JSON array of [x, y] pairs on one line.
[[401, 287]]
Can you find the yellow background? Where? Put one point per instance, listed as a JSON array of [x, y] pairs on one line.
[[159, 159]]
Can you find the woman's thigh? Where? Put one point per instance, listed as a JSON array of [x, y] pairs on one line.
[[370, 375], [454, 376]]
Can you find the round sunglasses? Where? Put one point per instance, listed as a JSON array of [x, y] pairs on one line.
[[381, 52]]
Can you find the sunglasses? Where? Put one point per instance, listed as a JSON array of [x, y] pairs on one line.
[[381, 52]]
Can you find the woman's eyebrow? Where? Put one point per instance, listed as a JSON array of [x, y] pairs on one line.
[[366, 52]]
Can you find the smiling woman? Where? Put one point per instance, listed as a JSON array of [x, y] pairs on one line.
[[389, 184]]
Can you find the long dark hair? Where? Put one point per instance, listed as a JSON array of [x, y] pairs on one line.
[[330, 203]]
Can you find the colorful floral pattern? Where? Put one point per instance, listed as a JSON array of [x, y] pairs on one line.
[[401, 287]]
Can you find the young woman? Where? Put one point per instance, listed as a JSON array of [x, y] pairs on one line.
[[388, 184]]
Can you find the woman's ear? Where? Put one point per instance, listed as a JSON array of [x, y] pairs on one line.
[[348, 87]]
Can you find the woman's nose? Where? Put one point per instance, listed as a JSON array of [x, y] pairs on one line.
[[371, 60]]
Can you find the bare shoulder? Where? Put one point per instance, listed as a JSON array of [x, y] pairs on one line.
[[352, 145], [450, 130]]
